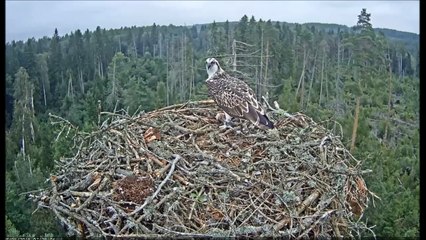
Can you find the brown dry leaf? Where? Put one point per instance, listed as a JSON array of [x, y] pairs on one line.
[[356, 208], [217, 215], [80, 227], [151, 134], [96, 183], [234, 162], [362, 189], [53, 178]]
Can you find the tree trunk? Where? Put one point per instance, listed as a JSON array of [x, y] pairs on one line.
[[99, 67], [23, 136], [338, 72], [400, 65], [265, 77], [234, 54], [167, 74], [191, 86], [81, 81], [355, 126], [44, 93], [71, 87], [114, 89], [302, 93], [160, 44], [312, 78], [326, 87], [23, 143], [32, 114], [259, 86], [102, 69], [181, 88], [349, 58], [385, 136], [119, 43], [302, 76], [95, 63], [134, 47], [322, 76], [336, 87]]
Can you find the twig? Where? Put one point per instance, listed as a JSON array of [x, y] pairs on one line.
[[325, 215], [87, 202]]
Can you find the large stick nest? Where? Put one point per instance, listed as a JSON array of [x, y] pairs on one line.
[[174, 172]]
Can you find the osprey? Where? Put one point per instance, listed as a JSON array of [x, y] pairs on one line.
[[234, 96]]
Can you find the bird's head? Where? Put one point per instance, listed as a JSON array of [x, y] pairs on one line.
[[212, 66]]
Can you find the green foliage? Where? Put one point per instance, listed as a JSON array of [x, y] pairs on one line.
[[364, 20], [161, 93], [398, 185], [18, 209], [42, 152], [11, 150], [286, 99], [41, 223], [11, 231]]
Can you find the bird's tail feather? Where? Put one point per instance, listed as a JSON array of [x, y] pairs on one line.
[[263, 120]]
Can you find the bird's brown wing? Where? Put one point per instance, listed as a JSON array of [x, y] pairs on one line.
[[238, 100]]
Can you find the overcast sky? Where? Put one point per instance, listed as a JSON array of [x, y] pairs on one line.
[[26, 19]]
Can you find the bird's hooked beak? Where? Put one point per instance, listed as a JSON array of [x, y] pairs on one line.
[[209, 63], [212, 66]]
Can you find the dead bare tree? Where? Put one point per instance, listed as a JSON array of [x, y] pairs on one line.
[[81, 80], [302, 77], [385, 136], [167, 74], [322, 75], [355, 125], [311, 79], [251, 63], [70, 91]]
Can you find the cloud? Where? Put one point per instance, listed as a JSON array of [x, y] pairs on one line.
[[25, 19]]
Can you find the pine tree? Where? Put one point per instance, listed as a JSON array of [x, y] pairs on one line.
[[242, 29], [364, 21], [55, 65]]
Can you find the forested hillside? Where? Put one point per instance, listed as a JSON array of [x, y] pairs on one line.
[[361, 83]]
